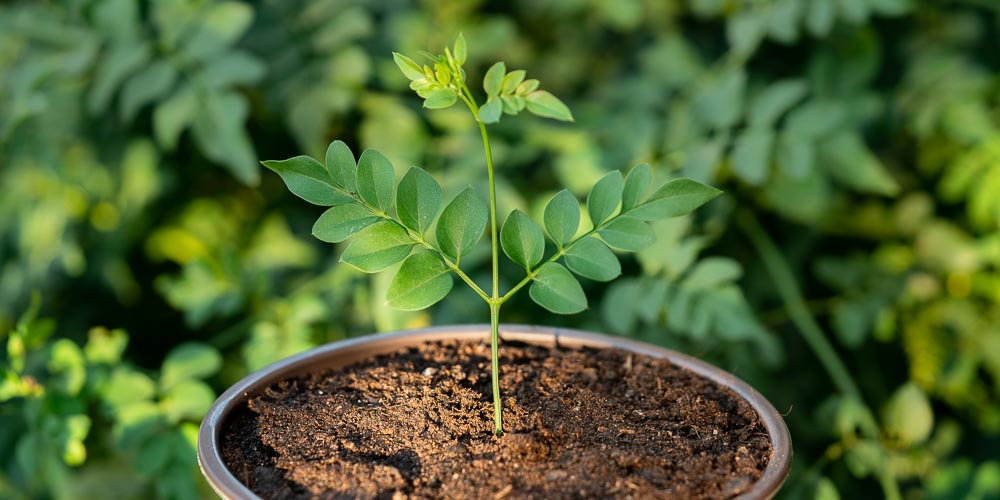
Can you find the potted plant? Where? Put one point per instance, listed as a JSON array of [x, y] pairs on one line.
[[407, 413]]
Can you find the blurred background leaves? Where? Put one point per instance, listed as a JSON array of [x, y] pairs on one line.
[[852, 272]]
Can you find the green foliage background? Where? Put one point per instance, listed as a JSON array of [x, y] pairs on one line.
[[851, 273]]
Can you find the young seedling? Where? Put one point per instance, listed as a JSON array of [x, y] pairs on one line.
[[389, 220]]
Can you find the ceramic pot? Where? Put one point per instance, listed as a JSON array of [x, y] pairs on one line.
[[350, 351]]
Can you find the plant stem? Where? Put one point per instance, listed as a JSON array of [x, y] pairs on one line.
[[494, 300], [495, 367], [798, 311]]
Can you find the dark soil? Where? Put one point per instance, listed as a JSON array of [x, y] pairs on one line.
[[419, 424]]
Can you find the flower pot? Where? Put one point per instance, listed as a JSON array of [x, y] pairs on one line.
[[351, 351]]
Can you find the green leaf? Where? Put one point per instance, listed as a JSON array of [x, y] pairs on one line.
[[562, 217], [218, 28], [378, 247], [341, 166], [719, 101], [409, 68], [821, 17], [147, 86], [604, 197], [189, 360], [712, 272], [308, 180], [908, 416], [636, 185], [826, 490], [119, 62], [775, 100], [188, 400], [522, 240], [547, 105], [105, 346], [816, 119], [460, 49], [850, 162], [676, 197], [526, 87], [627, 233], [785, 18], [418, 199], [555, 289], [233, 68], [746, 29], [422, 281], [462, 224], [220, 132], [795, 155], [491, 110], [440, 98], [511, 81], [66, 360], [172, 116], [592, 259], [341, 222], [751, 157], [125, 387], [375, 179], [493, 81], [152, 456]]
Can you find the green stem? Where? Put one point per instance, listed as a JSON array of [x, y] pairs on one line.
[[798, 311], [494, 299], [784, 282], [495, 367]]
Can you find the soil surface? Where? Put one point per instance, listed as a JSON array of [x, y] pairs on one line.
[[419, 424]]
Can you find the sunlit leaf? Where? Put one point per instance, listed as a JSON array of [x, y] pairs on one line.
[[547, 105]]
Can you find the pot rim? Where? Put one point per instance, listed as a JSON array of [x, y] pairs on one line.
[[345, 352]]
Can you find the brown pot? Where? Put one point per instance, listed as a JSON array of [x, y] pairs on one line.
[[350, 351]]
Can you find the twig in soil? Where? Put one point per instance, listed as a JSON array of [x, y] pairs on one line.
[[504, 492]]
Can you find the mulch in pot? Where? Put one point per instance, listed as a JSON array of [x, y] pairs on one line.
[[419, 424]]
